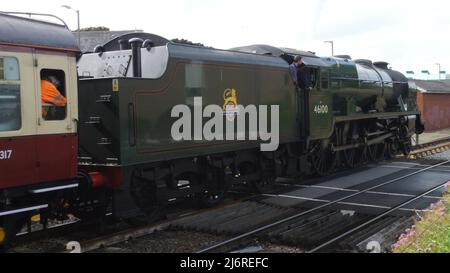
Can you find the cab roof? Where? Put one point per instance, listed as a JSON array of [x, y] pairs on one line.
[[309, 58]]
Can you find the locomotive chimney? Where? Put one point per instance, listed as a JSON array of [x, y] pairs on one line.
[[136, 45]]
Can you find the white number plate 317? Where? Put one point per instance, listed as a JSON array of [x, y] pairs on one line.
[[5, 154]]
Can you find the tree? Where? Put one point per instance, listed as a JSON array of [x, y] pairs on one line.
[[95, 29], [186, 42]]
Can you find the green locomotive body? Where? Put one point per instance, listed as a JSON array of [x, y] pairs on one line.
[[127, 94]]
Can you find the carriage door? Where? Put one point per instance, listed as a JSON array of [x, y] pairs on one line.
[[56, 139]]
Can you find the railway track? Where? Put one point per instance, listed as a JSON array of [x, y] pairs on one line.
[[430, 148], [125, 235], [304, 218], [373, 220], [141, 231]]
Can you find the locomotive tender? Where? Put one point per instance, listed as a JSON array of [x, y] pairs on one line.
[[112, 149]]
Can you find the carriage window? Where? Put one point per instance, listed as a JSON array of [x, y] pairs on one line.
[[9, 69], [53, 94], [10, 112]]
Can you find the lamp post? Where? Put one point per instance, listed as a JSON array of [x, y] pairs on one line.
[[438, 64], [332, 46], [78, 21]]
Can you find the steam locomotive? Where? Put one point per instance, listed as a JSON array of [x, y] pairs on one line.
[[111, 149]]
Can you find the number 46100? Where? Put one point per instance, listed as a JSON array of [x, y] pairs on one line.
[[5, 154]]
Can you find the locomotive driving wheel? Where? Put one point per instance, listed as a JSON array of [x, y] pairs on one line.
[[375, 152], [406, 143], [406, 147], [392, 148], [323, 158], [353, 157]]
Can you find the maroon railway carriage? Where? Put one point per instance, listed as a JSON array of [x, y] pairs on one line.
[[38, 153]]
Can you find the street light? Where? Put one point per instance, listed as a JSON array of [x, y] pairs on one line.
[[438, 64], [78, 20], [332, 46]]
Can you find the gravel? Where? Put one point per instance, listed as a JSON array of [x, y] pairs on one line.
[[183, 242], [48, 245], [165, 242], [443, 156]]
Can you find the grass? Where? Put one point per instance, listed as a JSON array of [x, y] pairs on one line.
[[431, 233]]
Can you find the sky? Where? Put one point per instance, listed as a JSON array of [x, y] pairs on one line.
[[411, 35]]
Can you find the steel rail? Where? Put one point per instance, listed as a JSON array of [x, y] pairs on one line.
[[432, 143], [386, 213], [263, 228]]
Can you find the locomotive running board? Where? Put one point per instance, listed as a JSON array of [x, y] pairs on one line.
[[44, 190], [17, 211]]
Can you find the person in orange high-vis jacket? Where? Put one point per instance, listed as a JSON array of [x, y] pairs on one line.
[[50, 94]]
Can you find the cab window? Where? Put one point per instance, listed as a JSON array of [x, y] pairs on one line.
[[53, 94], [10, 105], [324, 77], [314, 78]]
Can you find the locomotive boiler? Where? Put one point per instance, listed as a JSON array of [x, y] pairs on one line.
[[368, 87]]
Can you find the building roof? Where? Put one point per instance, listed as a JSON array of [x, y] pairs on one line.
[[91, 39], [442, 86], [15, 30]]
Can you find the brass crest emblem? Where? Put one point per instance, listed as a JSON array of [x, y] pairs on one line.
[[230, 106]]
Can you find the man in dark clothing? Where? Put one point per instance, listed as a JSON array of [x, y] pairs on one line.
[[304, 77], [293, 69], [304, 87]]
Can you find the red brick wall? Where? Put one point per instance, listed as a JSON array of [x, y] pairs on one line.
[[435, 110]]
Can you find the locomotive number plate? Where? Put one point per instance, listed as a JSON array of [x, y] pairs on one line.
[[5, 154], [321, 109]]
